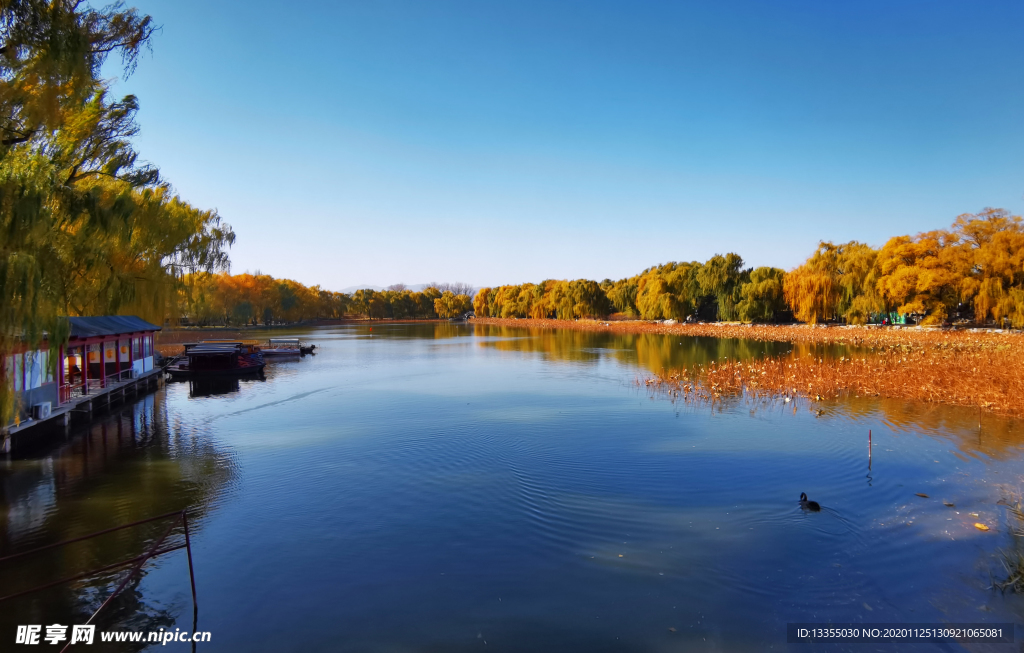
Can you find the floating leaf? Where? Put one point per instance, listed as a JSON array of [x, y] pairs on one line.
[[948, 504], [981, 527], [923, 496], [671, 630]]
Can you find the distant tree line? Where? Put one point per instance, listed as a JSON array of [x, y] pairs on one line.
[[974, 270], [252, 299]]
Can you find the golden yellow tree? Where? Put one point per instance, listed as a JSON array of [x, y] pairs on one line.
[[989, 258], [450, 305], [916, 275]]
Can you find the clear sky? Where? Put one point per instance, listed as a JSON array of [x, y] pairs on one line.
[[489, 142]]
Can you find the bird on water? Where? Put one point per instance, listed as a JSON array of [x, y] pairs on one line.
[[808, 505]]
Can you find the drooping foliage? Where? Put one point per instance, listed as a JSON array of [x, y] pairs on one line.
[[979, 263], [836, 282], [85, 226], [450, 305], [975, 270], [761, 298], [670, 291], [564, 300]]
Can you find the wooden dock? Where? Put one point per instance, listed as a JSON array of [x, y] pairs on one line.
[[30, 431]]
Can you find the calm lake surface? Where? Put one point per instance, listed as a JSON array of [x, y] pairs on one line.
[[441, 487]]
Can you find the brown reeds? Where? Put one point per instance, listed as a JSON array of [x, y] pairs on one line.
[[966, 368], [992, 380]]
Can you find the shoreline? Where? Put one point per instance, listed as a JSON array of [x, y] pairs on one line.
[[871, 336], [972, 368]]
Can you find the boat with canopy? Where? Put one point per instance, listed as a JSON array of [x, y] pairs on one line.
[[217, 359]]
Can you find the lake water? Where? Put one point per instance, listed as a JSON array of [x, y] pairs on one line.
[[442, 487]]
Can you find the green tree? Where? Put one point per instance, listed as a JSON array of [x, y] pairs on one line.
[[761, 297], [450, 305], [57, 130]]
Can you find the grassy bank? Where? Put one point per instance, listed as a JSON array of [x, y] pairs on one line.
[[967, 368]]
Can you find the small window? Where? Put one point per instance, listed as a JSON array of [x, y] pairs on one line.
[[136, 349]]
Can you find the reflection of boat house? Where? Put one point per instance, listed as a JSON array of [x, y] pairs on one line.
[[104, 357]]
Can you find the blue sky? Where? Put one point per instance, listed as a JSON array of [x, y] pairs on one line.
[[355, 143]]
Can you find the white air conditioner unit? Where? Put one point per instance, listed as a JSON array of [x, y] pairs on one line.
[[41, 411]]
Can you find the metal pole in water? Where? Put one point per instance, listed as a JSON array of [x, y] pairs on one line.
[[188, 550], [869, 448]]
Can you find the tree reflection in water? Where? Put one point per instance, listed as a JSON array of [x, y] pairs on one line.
[[653, 352], [126, 466], [973, 432]]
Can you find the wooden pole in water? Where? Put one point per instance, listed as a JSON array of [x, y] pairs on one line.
[[869, 448]]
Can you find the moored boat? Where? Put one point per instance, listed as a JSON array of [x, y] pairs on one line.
[[217, 359], [286, 347]]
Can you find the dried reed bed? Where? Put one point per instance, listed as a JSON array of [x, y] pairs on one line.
[[965, 368], [992, 380]]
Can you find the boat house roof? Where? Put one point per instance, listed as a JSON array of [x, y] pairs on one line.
[[108, 325], [213, 348]]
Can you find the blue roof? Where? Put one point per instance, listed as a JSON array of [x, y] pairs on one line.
[[108, 325]]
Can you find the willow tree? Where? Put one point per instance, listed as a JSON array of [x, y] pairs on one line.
[[668, 291], [990, 260], [721, 278], [837, 281], [812, 290], [917, 274], [51, 53], [481, 303], [450, 305], [761, 298], [202, 251], [858, 283], [622, 295]]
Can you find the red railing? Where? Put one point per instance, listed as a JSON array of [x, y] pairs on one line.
[[117, 377], [136, 563], [66, 391], [69, 391]]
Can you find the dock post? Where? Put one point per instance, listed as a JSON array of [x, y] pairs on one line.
[[191, 573]]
